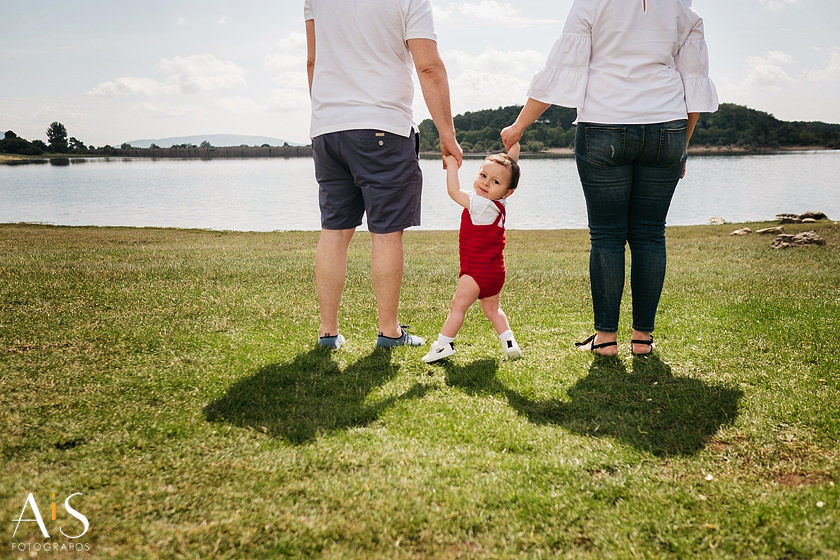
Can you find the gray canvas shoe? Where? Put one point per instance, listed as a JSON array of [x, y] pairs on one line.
[[404, 339], [331, 342]]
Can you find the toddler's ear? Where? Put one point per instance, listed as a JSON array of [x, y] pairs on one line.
[[513, 152]]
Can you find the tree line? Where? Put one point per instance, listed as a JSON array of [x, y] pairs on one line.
[[731, 126], [58, 142]]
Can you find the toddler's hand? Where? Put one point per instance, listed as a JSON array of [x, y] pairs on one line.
[[513, 152]]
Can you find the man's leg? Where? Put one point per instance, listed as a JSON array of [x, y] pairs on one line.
[[330, 275], [386, 270]]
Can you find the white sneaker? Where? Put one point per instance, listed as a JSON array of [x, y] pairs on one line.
[[512, 349], [439, 351]]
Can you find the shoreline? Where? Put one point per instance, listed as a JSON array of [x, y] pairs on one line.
[[238, 153], [699, 151], [723, 225]]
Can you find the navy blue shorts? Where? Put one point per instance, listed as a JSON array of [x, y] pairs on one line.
[[368, 172]]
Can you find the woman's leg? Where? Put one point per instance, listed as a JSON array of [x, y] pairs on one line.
[[655, 180], [606, 177], [603, 343]]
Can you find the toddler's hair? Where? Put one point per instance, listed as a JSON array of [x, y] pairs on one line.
[[510, 163]]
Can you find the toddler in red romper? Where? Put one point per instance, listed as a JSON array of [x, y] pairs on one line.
[[481, 246]]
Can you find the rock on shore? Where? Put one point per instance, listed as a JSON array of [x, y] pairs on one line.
[[807, 217], [786, 240]]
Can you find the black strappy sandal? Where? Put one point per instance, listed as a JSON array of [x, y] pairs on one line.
[[647, 342], [596, 346]]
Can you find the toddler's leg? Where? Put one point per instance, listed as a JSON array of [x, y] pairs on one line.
[[466, 292], [491, 308]]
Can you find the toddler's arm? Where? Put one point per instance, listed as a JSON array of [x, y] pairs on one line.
[[513, 152], [453, 186]]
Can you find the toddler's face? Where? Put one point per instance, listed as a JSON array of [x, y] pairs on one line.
[[493, 181]]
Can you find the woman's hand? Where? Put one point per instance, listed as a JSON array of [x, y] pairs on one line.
[[530, 112], [510, 136]]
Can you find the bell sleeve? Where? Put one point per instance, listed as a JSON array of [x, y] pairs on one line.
[[692, 62], [562, 81]]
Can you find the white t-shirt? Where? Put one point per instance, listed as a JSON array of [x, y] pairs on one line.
[[363, 68], [618, 63], [483, 211]]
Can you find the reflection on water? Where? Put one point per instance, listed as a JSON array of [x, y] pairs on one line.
[[281, 194]]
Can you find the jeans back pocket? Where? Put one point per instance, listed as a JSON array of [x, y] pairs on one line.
[[672, 146], [605, 145]]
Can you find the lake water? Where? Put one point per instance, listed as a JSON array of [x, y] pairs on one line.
[[281, 194]]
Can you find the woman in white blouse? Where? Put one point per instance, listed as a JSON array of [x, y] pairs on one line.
[[638, 73]]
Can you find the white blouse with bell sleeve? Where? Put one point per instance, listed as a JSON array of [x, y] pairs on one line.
[[629, 62]]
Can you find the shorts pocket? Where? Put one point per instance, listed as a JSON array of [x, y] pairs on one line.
[[383, 152]]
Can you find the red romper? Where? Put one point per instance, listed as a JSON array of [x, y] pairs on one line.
[[481, 250]]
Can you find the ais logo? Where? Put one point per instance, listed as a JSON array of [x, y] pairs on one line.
[[31, 504]]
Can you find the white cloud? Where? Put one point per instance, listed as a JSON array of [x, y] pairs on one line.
[[292, 41], [778, 4], [488, 11], [290, 54], [290, 93], [290, 89], [238, 105], [284, 61], [487, 80], [161, 110], [442, 14], [223, 20], [770, 70], [496, 62], [190, 74], [198, 73], [132, 86], [830, 71], [777, 82]]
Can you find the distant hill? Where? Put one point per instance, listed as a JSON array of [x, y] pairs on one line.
[[216, 140], [731, 125]]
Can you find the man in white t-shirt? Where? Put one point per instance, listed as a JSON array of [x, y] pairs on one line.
[[360, 59]]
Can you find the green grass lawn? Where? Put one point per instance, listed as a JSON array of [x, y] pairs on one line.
[[170, 377]]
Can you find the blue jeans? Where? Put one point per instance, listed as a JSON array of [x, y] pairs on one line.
[[629, 174]]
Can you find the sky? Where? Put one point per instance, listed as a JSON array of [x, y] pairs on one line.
[[112, 72]]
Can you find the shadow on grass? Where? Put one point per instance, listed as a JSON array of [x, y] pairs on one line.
[[648, 407], [309, 396]]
